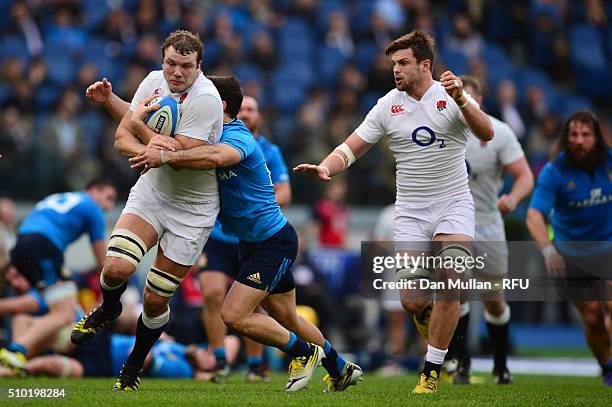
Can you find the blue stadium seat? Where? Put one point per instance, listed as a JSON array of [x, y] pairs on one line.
[[296, 48], [295, 41], [288, 96], [62, 67], [46, 97], [246, 72], [330, 61], [455, 60], [5, 92], [360, 20], [498, 64], [569, 103], [524, 77], [14, 46], [94, 12], [297, 73], [92, 123], [587, 48], [366, 52], [71, 40]]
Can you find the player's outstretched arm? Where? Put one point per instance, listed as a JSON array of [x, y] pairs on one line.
[[199, 158], [102, 92], [521, 188], [478, 120], [338, 160]]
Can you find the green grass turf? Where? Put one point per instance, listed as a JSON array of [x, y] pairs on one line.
[[373, 391]]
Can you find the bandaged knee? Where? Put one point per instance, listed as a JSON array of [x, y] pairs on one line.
[[156, 322], [126, 245], [457, 256], [162, 283], [412, 273]]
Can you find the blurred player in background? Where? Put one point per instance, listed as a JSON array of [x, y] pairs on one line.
[[222, 261], [428, 124], [394, 312], [486, 162], [575, 191], [175, 208], [38, 255], [268, 247]]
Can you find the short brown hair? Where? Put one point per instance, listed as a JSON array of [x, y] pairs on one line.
[[230, 92], [184, 42], [472, 82], [421, 43]]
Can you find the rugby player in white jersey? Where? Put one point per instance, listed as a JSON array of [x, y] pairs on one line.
[[486, 162], [176, 209], [428, 124]]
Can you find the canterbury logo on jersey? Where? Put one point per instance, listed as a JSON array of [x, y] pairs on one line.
[[225, 175], [397, 109], [255, 277]]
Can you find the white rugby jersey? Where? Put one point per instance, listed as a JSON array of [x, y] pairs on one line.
[[427, 138], [201, 118], [486, 161]]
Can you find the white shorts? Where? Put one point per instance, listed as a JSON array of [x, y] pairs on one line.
[[416, 223], [182, 227], [491, 240]]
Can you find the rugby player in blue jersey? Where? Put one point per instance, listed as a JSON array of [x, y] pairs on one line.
[[221, 263], [267, 248], [38, 255], [575, 190]]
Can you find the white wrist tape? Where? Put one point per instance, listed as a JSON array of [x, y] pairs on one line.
[[348, 152], [549, 250]]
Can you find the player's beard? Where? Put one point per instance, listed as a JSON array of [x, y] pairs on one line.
[[409, 87], [585, 161]]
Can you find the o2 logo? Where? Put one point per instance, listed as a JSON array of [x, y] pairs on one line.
[[429, 141]]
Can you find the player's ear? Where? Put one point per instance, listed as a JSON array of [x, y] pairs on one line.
[[426, 64], [224, 105]]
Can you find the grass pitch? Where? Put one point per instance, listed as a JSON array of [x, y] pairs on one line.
[[373, 391]]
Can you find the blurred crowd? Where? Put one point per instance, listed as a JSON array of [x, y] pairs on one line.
[[316, 66]]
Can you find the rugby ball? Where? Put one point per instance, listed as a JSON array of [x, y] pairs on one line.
[[165, 119]]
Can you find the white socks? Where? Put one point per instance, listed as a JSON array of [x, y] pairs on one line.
[[435, 355]]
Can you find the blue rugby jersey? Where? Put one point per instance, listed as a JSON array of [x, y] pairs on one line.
[[248, 204], [581, 205], [63, 218]]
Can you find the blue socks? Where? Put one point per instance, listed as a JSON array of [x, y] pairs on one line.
[[333, 362], [254, 362], [297, 347], [17, 347], [220, 357]]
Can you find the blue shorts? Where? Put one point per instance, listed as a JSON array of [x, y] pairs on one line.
[[265, 265], [221, 256], [39, 260]]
